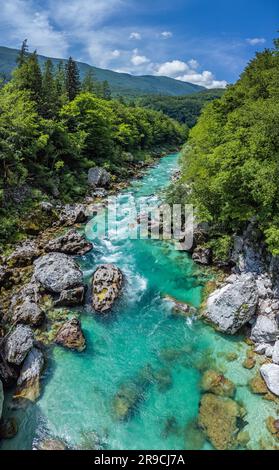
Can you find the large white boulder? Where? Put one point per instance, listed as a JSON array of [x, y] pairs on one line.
[[233, 305], [270, 374]]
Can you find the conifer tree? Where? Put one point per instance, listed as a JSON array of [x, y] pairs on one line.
[[29, 77], [23, 53], [72, 79], [106, 90], [50, 97], [89, 82]]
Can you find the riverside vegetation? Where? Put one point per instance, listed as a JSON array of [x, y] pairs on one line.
[[212, 389], [53, 128]]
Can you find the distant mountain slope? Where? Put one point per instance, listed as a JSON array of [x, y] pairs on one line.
[[120, 83]]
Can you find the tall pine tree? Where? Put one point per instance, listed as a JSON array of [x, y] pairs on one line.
[[73, 85], [89, 82], [50, 102], [106, 90], [29, 77], [23, 53]]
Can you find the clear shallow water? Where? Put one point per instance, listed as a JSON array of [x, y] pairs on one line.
[[141, 333]]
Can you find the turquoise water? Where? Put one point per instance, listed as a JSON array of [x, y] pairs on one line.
[[141, 335]]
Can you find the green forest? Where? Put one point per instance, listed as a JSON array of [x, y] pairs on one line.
[[230, 163], [54, 127], [185, 109]]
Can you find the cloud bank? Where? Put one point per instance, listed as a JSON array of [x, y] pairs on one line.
[[90, 31]]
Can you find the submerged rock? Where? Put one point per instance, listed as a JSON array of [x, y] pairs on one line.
[[72, 243], [57, 272], [70, 335], [181, 308], [217, 383], [98, 177], [126, 400], [28, 384], [265, 330], [18, 344], [107, 284], [270, 374], [194, 437], [218, 418], [51, 444], [250, 360], [233, 305], [257, 385], [8, 428]]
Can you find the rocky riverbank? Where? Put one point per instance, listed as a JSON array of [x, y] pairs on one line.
[[247, 299]]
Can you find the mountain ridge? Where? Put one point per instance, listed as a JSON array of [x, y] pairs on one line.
[[121, 83]]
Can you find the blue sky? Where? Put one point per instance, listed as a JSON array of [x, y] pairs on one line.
[[200, 41]]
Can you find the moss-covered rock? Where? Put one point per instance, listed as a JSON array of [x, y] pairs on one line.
[[250, 360], [215, 382], [218, 418], [257, 385]]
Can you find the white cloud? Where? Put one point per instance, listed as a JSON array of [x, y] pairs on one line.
[[187, 72], [138, 59], [20, 19], [255, 41], [204, 78], [135, 35], [115, 53], [171, 69], [166, 34]]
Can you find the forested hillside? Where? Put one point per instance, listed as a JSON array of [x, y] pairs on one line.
[[230, 165], [121, 84], [185, 109], [53, 127]]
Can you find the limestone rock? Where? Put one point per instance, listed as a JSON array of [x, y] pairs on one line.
[[275, 354], [107, 283], [18, 344], [233, 305], [29, 313], [72, 243], [28, 384], [98, 177], [71, 297], [57, 272], [24, 254], [70, 335], [265, 330], [72, 214], [202, 255], [270, 374]]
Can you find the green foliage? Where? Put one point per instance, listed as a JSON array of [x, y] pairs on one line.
[[72, 79], [231, 160], [185, 109], [51, 133]]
